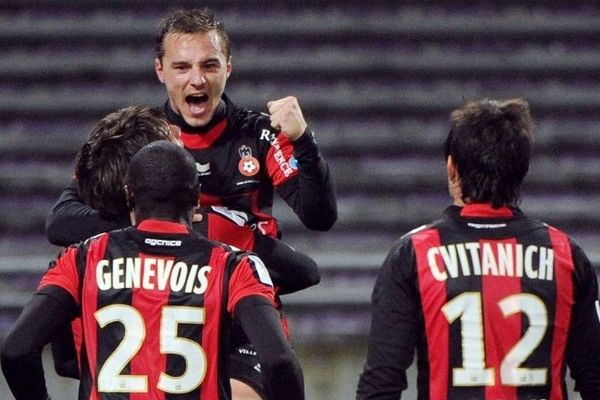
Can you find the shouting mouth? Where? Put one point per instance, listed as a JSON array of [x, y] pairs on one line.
[[198, 103]]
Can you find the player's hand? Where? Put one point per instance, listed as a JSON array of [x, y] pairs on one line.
[[197, 217], [286, 116]]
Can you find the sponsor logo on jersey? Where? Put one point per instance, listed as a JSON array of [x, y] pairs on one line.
[[203, 169], [162, 242], [248, 165], [284, 165], [246, 352], [293, 163]]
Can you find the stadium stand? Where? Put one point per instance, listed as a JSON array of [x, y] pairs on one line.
[[376, 80]]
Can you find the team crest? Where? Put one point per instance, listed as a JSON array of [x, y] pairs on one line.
[[248, 165]]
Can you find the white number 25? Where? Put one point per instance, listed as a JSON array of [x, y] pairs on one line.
[[111, 378]]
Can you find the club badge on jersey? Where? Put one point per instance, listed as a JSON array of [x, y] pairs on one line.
[[248, 165]]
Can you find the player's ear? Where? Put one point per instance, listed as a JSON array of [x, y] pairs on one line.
[[130, 198], [158, 68], [195, 198], [451, 168]]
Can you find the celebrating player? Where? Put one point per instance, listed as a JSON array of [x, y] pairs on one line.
[[156, 300], [242, 156]]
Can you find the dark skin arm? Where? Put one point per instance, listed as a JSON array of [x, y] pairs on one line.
[[50, 310], [283, 378]]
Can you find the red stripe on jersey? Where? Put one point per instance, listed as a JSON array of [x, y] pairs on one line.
[[267, 224], [500, 332], [211, 331], [64, 274], [149, 361], [563, 268], [209, 200], [89, 305], [245, 282], [196, 141], [226, 231], [433, 297], [278, 160]]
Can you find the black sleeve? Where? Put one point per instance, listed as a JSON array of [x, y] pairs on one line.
[[312, 193], [583, 351], [49, 310], [64, 354], [71, 221], [395, 327], [290, 270], [283, 378]]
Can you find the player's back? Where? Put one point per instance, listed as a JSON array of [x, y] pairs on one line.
[[496, 294], [154, 307]]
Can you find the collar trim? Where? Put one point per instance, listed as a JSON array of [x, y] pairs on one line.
[[204, 140], [159, 226], [485, 210]]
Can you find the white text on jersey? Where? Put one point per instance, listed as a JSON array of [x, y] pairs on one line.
[[491, 258], [151, 274]]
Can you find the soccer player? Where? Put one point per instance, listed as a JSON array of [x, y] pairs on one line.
[[156, 300], [100, 167], [243, 156], [495, 303]]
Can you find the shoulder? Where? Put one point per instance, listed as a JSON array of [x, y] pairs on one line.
[[251, 123]]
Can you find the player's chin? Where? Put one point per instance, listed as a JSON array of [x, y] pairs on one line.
[[197, 119]]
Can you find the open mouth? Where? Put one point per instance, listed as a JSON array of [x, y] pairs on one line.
[[196, 99]]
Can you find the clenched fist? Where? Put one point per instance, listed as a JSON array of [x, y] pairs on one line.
[[286, 116]]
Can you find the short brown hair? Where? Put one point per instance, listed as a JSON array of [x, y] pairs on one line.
[[190, 21]]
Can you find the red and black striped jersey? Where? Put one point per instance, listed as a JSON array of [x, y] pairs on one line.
[[496, 305], [242, 160], [156, 305]]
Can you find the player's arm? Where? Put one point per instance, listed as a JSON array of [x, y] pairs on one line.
[[290, 270], [283, 378], [394, 329], [583, 351], [311, 193], [71, 220], [251, 301], [50, 309]]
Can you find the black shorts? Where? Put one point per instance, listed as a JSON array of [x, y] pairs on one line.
[[245, 367]]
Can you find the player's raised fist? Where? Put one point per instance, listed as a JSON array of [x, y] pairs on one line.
[[286, 116]]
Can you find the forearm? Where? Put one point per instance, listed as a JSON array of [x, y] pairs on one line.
[[282, 373], [290, 270], [21, 355], [313, 194], [71, 221]]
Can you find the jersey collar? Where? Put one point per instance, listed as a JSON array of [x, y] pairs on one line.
[[485, 210], [160, 226]]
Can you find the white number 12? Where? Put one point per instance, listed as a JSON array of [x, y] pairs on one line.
[[468, 307]]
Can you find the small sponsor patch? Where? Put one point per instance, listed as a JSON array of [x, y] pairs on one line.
[[248, 165], [162, 242], [203, 169]]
